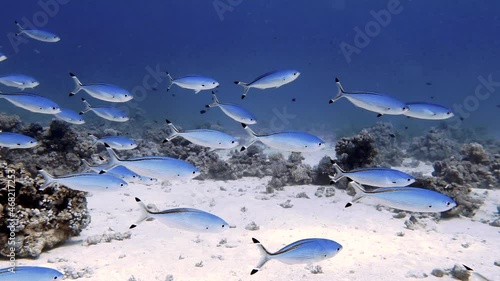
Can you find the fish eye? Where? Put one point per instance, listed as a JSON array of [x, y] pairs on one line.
[[409, 179], [121, 184], [338, 249], [295, 73], [213, 83], [222, 226], [55, 278], [194, 172], [206, 227], [126, 95], [404, 108], [203, 85], [319, 143], [232, 141], [430, 206], [53, 108], [448, 113], [448, 203], [305, 146]]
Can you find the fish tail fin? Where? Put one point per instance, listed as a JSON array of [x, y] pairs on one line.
[[215, 101], [171, 80], [78, 85], [340, 92], [49, 179], [265, 256], [86, 165], [245, 88], [21, 29], [252, 134], [360, 191], [339, 173], [87, 107], [174, 132], [113, 158], [144, 213]]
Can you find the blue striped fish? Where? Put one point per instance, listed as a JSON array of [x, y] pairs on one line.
[[30, 273], [19, 81], [102, 91], [273, 79], [32, 102], [37, 34], [193, 82], [380, 177], [287, 141], [303, 251], [160, 167], [88, 182], [107, 112], [15, 140], [234, 111], [204, 137], [184, 218], [376, 102], [428, 111], [405, 198]]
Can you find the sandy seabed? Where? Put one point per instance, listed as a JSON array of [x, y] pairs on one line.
[[376, 246]]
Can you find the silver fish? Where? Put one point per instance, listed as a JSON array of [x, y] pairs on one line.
[[118, 142], [102, 91], [2, 57], [376, 102], [273, 79], [193, 82], [184, 218], [428, 111], [204, 137], [32, 102], [70, 116], [160, 167], [287, 141], [118, 172], [303, 251], [14, 140], [405, 198], [380, 177], [19, 81], [37, 34], [106, 112], [30, 273], [88, 182], [234, 111]]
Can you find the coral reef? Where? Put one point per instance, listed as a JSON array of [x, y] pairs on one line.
[[389, 153], [36, 220], [434, 146], [474, 168], [290, 172], [10, 123], [60, 150], [356, 152]]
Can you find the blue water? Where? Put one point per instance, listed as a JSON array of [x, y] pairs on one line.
[[448, 45]]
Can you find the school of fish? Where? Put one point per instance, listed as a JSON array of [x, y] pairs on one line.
[[391, 186]]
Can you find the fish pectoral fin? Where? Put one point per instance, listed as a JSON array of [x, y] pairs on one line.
[[196, 91]]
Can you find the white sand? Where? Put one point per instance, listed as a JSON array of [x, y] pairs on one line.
[[372, 250]]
